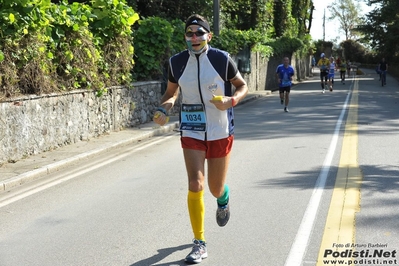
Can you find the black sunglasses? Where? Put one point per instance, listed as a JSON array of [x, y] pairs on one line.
[[197, 33]]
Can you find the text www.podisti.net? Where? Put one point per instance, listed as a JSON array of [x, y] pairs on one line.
[[362, 257]]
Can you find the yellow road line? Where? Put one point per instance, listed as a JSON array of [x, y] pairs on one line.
[[339, 231]]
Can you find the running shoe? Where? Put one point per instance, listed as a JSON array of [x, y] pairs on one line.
[[281, 101], [223, 214], [323, 91], [197, 253], [286, 109]]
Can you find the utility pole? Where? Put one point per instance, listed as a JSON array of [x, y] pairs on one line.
[[324, 25], [216, 17]]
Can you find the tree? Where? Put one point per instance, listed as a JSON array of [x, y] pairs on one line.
[[353, 50], [172, 9], [347, 13], [246, 14], [381, 28], [292, 18], [302, 11]]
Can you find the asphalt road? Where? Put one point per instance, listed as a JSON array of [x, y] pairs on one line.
[[304, 185]]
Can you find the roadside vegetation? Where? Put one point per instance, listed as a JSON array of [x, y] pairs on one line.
[[56, 47], [59, 46]]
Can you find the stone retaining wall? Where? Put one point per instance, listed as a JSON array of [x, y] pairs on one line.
[[30, 125]]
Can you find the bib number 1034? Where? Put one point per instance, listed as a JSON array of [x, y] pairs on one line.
[[193, 117]]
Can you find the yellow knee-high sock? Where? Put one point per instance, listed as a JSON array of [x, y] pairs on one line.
[[196, 209]]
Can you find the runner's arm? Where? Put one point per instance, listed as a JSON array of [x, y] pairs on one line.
[[241, 88], [239, 94], [167, 102], [170, 96], [278, 76]]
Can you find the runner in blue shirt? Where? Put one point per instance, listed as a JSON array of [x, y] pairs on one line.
[[284, 73]]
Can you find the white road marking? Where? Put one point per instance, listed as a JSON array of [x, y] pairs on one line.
[[299, 247]]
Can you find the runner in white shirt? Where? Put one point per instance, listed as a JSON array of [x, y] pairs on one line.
[[205, 77], [331, 73]]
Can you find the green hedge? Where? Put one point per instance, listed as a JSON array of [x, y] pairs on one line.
[[155, 40], [47, 47]]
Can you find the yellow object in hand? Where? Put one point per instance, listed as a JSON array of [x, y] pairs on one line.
[[157, 114], [217, 98]]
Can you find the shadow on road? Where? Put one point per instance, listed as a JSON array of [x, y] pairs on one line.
[[380, 179], [162, 254]]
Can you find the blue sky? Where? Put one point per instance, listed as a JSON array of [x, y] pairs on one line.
[[332, 31]]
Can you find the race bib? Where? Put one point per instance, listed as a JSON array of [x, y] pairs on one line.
[[193, 117]]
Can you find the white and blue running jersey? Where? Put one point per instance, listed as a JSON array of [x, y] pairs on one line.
[[200, 77], [332, 68]]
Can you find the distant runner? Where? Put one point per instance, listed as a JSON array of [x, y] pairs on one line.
[[324, 65], [284, 73]]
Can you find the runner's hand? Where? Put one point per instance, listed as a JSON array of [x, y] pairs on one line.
[[222, 102], [160, 118]]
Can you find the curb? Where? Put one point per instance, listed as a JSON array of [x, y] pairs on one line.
[[54, 167], [147, 133]]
